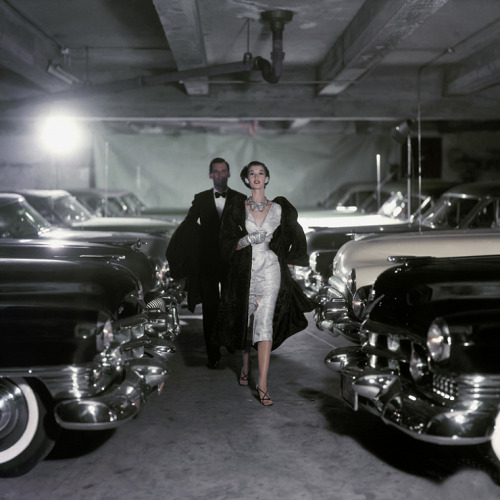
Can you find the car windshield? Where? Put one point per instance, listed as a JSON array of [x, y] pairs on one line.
[[354, 199], [69, 209], [114, 208], [450, 212], [134, 204], [397, 205], [20, 220]]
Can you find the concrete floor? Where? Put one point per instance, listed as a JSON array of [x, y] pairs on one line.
[[206, 437]]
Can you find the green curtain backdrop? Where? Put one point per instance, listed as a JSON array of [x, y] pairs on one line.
[[166, 171]]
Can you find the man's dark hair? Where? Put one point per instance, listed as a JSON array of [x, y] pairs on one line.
[[217, 160]]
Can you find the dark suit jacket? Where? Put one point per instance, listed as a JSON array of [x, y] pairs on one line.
[[194, 249]]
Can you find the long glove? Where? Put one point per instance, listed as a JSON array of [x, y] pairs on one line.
[[252, 239]]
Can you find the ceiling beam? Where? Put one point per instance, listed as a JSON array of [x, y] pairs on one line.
[[26, 51], [479, 67], [157, 103], [376, 30], [181, 22], [475, 74]]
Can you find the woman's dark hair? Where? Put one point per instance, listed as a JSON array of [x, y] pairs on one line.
[[246, 168]]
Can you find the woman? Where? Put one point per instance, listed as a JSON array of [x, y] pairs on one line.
[[261, 305]]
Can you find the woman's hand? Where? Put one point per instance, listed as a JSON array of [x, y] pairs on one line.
[[251, 239]]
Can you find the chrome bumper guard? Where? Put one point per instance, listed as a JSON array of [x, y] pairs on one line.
[[394, 400], [328, 315], [164, 322], [121, 402]]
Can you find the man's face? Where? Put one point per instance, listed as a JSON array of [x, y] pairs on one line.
[[220, 175]]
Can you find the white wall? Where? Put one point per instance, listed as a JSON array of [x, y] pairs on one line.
[[24, 163], [167, 170]]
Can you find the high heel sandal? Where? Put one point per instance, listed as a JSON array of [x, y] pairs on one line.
[[244, 378], [265, 400]]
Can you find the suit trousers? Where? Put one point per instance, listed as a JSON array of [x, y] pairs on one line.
[[210, 289]]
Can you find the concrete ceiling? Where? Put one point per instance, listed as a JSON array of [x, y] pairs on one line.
[[164, 66]]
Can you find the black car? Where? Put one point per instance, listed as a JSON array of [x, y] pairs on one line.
[[62, 209], [428, 359], [75, 352], [122, 203], [108, 202], [19, 220]]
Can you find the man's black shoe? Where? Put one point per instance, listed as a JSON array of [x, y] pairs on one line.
[[213, 365]]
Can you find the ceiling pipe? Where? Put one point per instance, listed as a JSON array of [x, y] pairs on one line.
[[277, 19], [271, 72]]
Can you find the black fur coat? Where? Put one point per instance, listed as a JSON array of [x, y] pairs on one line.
[[289, 244]]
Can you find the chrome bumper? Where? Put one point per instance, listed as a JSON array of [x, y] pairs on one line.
[[120, 402], [389, 396]]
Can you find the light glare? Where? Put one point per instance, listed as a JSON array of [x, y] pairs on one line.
[[61, 135]]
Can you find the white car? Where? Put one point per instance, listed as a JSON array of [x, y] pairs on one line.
[[394, 206], [326, 231], [359, 262], [465, 221]]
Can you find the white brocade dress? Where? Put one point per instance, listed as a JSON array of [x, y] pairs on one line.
[[265, 278]]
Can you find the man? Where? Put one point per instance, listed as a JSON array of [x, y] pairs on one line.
[[194, 252]]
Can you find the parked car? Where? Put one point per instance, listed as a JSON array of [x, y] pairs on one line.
[[474, 205], [74, 353], [350, 197], [108, 203], [62, 209], [428, 359], [357, 264], [393, 210], [19, 220], [358, 198], [324, 242]]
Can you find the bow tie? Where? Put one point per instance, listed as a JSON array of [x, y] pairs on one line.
[[218, 195]]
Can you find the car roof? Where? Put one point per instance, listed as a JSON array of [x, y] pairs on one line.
[[99, 192], [7, 198], [486, 188], [429, 186], [43, 193]]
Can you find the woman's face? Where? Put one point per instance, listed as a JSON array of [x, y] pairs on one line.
[[257, 177]]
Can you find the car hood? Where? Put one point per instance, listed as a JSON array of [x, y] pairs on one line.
[[464, 290], [368, 256], [150, 244], [61, 249], [353, 221], [141, 224], [68, 283]]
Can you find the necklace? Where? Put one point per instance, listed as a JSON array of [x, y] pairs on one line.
[[253, 205]]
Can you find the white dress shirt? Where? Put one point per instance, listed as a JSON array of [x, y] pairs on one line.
[[220, 202]]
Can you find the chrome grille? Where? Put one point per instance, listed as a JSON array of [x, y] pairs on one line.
[[157, 303], [385, 348], [444, 386]]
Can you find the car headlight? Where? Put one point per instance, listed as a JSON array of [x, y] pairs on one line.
[[312, 260], [162, 272], [351, 281], [419, 367], [299, 272], [359, 302], [105, 336], [439, 340]]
